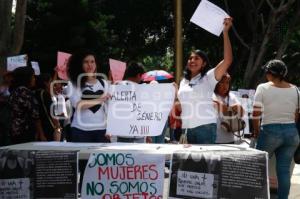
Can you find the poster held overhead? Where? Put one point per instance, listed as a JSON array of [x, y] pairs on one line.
[[62, 61], [16, 62], [36, 67], [117, 69], [209, 17]]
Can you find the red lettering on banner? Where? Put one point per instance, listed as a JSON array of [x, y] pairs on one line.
[[116, 196], [104, 172], [137, 171], [142, 172], [142, 195], [152, 168], [145, 195], [108, 196], [130, 173]]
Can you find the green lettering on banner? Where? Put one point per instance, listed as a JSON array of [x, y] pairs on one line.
[[94, 188], [116, 159]]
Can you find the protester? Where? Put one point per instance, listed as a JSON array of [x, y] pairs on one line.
[[224, 101], [88, 97], [276, 103], [51, 126], [132, 77], [175, 124], [196, 89], [25, 124]]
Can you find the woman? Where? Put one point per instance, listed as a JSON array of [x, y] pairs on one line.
[[88, 94], [196, 89], [225, 101], [51, 126], [25, 124], [275, 103]]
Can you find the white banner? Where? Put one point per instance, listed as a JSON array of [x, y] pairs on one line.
[[15, 188], [16, 62], [139, 110], [123, 175]]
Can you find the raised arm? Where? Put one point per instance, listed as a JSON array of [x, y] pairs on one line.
[[223, 66]]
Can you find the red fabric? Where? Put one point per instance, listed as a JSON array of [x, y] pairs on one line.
[[175, 120]]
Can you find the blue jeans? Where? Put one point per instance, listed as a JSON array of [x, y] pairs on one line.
[[204, 134], [281, 139], [131, 140], [160, 139], [78, 135]]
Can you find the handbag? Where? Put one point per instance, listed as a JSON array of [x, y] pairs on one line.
[[297, 152], [183, 138], [56, 133], [231, 122]]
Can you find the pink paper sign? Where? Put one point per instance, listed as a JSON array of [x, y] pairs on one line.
[[117, 69], [62, 61]]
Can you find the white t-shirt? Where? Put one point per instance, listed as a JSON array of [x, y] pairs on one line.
[[278, 104], [93, 118], [195, 97], [223, 136]]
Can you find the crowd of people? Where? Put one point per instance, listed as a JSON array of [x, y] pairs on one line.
[[202, 99]]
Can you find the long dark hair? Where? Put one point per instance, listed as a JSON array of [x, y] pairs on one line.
[[226, 75], [21, 77], [202, 54], [75, 65]]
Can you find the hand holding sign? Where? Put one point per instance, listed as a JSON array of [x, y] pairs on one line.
[[227, 24]]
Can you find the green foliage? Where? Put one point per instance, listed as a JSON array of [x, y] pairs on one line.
[[143, 30]]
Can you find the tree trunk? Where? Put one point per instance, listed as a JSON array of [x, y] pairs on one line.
[[18, 34], [11, 39], [5, 29]]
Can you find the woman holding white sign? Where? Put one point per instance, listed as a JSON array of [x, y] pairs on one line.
[[88, 93], [195, 92]]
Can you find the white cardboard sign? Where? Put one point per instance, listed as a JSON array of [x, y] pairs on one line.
[[139, 110], [16, 62], [209, 17]]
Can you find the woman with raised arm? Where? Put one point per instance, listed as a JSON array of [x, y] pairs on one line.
[[195, 92]]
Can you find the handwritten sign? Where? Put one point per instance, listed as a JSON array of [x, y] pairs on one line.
[[124, 176], [36, 67], [139, 110], [15, 188], [209, 17], [203, 173], [117, 69], [195, 184], [16, 62], [62, 61]]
